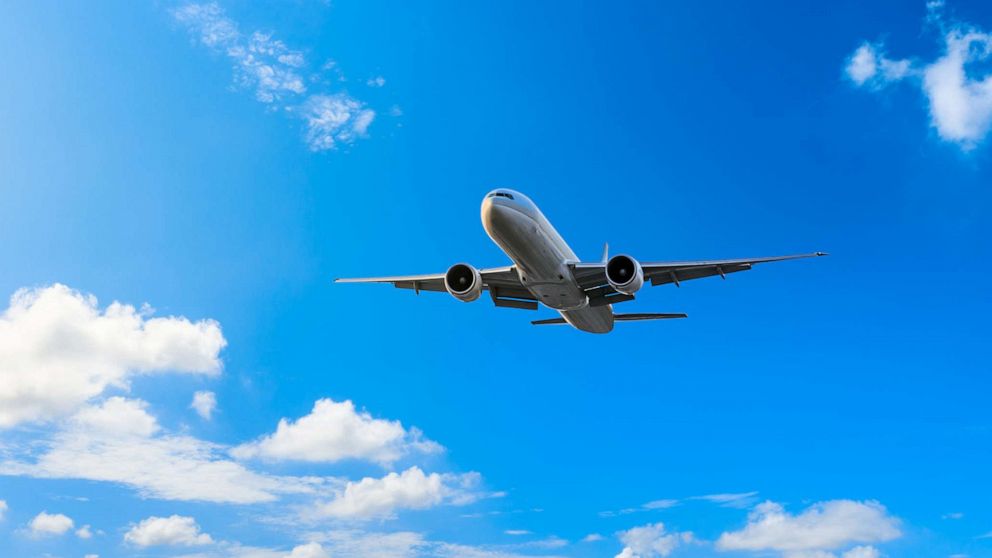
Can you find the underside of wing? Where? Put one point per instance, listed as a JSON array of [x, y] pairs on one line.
[[502, 283], [592, 276]]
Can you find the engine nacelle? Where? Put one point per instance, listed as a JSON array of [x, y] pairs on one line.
[[624, 274], [463, 282]]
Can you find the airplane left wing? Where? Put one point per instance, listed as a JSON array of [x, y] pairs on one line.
[[592, 276], [502, 283]]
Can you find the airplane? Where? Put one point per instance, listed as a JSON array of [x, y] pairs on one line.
[[546, 271]]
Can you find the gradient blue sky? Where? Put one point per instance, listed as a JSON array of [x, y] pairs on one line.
[[142, 161]]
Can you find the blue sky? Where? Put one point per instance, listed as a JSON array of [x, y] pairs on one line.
[[213, 166]]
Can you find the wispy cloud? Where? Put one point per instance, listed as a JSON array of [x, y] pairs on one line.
[[652, 505], [957, 86], [278, 76], [738, 500]]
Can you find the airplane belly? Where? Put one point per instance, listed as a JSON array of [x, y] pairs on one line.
[[541, 265]]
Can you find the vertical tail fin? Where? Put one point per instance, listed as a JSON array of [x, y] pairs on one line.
[[606, 252]]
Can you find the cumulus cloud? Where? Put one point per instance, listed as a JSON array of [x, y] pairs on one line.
[[817, 531], [3, 509], [118, 441], [957, 85], [48, 524], [204, 403], [84, 532], [58, 349], [174, 530], [333, 431], [309, 550], [278, 77], [377, 81], [650, 541], [372, 498]]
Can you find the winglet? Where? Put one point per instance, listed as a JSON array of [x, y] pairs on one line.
[[606, 251]]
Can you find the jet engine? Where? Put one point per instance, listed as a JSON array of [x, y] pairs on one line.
[[624, 274], [463, 282]]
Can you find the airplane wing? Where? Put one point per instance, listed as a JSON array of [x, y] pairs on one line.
[[592, 276], [502, 283]]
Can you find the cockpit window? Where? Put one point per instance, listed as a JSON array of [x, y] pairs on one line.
[[501, 195]]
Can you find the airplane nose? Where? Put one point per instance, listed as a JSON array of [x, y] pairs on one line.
[[487, 212]]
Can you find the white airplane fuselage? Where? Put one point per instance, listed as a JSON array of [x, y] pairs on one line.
[[542, 258]]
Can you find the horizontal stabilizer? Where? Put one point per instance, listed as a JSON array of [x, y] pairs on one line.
[[618, 317], [550, 321], [645, 316]]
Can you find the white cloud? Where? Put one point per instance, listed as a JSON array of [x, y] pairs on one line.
[[349, 543], [862, 552], [334, 119], [174, 530], [260, 62], [958, 91], [412, 489], [862, 65], [116, 415], [730, 500], [118, 441], [517, 532], [592, 537], [869, 66], [276, 74], [84, 532], [204, 403], [650, 541], [817, 531], [3, 509], [58, 350], [660, 504], [50, 524], [309, 550], [960, 105], [334, 431], [359, 544], [649, 506]]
